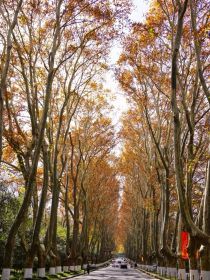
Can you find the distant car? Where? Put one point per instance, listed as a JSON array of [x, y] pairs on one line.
[[124, 265], [115, 263], [118, 262]]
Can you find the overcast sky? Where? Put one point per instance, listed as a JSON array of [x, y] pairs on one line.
[[120, 105], [141, 7]]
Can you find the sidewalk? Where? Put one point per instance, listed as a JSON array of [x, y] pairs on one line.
[[152, 274], [83, 272]]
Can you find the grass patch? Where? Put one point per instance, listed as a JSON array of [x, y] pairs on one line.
[[65, 274], [13, 277]]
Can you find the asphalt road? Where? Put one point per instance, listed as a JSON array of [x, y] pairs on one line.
[[115, 273]]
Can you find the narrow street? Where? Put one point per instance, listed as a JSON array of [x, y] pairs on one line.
[[104, 139], [110, 273]]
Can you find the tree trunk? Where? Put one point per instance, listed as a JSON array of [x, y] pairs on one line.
[[35, 240], [74, 248], [193, 248], [205, 253], [180, 261], [169, 256], [41, 261], [53, 258], [198, 50], [67, 214]]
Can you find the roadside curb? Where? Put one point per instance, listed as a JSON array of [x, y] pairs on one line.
[[82, 273], [152, 274], [76, 275], [68, 277]]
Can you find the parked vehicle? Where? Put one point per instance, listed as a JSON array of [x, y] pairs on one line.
[[124, 265], [119, 263]]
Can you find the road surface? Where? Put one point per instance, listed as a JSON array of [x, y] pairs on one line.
[[115, 273]]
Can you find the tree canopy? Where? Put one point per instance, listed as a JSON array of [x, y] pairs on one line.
[[74, 187]]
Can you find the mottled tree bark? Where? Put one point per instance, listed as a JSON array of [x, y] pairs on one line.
[[35, 245], [205, 254]]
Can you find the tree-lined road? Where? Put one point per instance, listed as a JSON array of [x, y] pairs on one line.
[[110, 273], [69, 151]]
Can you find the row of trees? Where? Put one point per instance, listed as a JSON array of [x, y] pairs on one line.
[[56, 137], [165, 161]]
